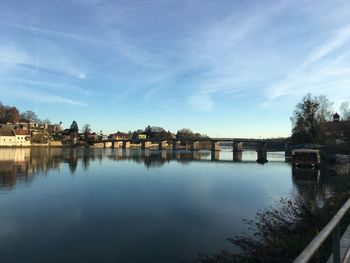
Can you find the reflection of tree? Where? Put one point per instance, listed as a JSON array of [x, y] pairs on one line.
[[313, 184], [86, 159], [155, 160], [11, 172], [21, 164], [73, 160]]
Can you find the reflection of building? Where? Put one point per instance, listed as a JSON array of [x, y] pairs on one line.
[[14, 137], [21, 164], [15, 154]]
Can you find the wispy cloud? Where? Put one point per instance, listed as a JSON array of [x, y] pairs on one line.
[[40, 29], [339, 39], [322, 68], [26, 94], [200, 102], [51, 59], [216, 52], [51, 85], [10, 56]]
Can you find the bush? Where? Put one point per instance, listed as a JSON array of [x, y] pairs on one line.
[[280, 233]]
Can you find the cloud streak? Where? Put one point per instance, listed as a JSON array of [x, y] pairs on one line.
[[26, 94], [311, 74]]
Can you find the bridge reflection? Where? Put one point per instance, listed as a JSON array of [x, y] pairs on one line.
[[23, 163], [20, 165], [185, 155]]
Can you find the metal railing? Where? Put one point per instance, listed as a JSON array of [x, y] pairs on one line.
[[331, 228]]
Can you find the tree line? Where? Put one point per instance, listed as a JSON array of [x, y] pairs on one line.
[[156, 132], [10, 114]]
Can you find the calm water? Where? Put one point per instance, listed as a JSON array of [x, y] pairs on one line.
[[104, 205]]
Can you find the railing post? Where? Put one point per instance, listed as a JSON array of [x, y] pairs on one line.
[[336, 244]]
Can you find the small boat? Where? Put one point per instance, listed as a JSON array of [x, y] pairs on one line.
[[306, 157]]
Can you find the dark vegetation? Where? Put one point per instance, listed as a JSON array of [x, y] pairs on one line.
[[10, 114], [280, 233], [159, 133], [311, 122]]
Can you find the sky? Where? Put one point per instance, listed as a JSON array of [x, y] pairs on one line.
[[224, 68]]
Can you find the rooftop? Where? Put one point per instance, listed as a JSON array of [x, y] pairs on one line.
[[21, 132], [4, 131]]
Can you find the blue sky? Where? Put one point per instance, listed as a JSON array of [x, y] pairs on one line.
[[224, 68]]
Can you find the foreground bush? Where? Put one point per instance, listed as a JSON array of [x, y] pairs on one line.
[[280, 233]]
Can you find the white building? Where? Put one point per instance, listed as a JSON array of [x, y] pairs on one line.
[[14, 137]]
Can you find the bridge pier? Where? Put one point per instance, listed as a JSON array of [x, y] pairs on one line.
[[237, 146], [237, 156], [215, 155], [287, 150], [164, 154], [125, 153], [104, 144], [126, 144], [195, 155], [177, 155], [147, 152], [174, 146], [214, 146], [195, 146], [146, 145], [214, 150], [162, 145], [112, 145], [262, 152]]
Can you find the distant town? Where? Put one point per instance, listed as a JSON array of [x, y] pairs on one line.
[[26, 129], [314, 121]]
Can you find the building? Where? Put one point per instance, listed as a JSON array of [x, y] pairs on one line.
[[336, 129], [22, 137], [7, 137], [119, 136], [54, 128], [14, 137], [142, 136]]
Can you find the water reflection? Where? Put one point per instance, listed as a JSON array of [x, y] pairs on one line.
[[21, 164], [313, 185], [125, 204], [26, 161]]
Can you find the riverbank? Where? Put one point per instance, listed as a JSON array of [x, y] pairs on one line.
[[281, 232]]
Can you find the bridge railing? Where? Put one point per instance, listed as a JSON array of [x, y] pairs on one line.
[[332, 228]]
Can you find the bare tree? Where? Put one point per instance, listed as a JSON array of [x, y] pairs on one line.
[[86, 128], [345, 110], [31, 116], [325, 108], [46, 121]]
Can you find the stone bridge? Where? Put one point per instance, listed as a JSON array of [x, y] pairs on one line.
[[237, 144]]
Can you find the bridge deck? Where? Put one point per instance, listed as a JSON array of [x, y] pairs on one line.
[[205, 140]]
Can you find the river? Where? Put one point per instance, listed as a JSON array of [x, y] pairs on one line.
[[114, 205]]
